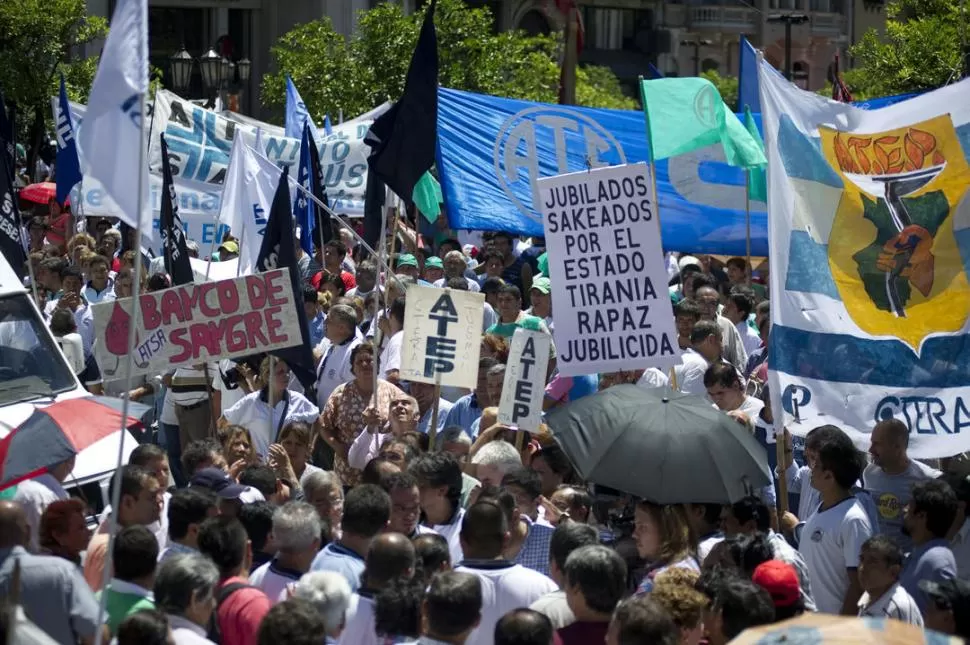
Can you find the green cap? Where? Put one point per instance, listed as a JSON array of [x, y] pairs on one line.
[[542, 284], [434, 262], [407, 260]]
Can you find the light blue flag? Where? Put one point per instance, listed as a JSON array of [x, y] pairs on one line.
[[326, 125], [296, 113], [113, 136], [305, 210], [68, 164]]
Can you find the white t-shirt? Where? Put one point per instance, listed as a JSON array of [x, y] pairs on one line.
[[554, 607], [895, 603], [253, 413], [749, 337], [273, 579], [451, 533], [830, 544], [35, 495], [472, 285], [334, 366], [752, 407], [690, 373], [359, 629], [505, 586], [391, 356]]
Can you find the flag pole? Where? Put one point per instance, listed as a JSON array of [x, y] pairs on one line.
[[382, 245], [433, 430], [650, 160], [125, 398], [747, 223]]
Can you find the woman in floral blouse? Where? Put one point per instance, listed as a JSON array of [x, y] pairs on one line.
[[342, 417]]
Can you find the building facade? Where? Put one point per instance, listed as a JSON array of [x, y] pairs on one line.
[[681, 38], [688, 37]]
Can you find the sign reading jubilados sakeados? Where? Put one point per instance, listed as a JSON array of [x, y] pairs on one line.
[[194, 323], [870, 249]]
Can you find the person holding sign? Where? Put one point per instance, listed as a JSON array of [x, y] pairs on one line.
[[264, 413]]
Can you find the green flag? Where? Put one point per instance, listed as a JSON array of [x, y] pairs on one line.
[[427, 197], [757, 180], [687, 113]]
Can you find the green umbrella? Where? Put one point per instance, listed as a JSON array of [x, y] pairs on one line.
[[664, 446]]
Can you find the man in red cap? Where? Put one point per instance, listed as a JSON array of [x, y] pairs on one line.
[[780, 580]]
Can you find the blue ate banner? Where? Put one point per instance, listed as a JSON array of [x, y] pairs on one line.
[[491, 152]]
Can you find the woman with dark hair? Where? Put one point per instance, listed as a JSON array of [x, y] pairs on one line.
[[343, 415], [64, 530], [553, 467], [333, 284], [664, 539]]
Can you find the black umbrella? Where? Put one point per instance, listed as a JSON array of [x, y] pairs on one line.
[[664, 446]]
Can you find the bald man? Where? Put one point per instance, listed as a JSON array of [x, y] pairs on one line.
[[391, 557], [52, 592]]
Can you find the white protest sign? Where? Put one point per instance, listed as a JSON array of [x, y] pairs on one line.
[[442, 336], [609, 284], [525, 380], [194, 323]]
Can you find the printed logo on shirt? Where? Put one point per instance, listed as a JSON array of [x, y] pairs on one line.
[[817, 535], [889, 508]]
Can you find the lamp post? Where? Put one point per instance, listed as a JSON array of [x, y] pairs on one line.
[[181, 64], [696, 43], [788, 19], [211, 65]]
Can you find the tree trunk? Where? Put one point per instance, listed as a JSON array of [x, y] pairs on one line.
[[35, 139]]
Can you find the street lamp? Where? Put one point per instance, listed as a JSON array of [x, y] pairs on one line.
[[697, 44], [244, 66], [788, 19], [181, 64], [210, 63]]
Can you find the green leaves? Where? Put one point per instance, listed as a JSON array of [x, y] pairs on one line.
[[334, 74], [727, 87], [920, 51]]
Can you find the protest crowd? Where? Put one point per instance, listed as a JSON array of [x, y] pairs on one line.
[[359, 439]]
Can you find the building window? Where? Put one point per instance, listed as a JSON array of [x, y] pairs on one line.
[[790, 5], [824, 6]]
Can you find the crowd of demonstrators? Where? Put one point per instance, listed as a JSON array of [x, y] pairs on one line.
[[262, 511]]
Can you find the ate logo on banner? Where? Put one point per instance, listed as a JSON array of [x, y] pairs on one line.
[[440, 350], [64, 131], [195, 155], [516, 148]]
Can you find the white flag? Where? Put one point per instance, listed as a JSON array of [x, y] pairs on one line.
[[112, 137], [251, 181]]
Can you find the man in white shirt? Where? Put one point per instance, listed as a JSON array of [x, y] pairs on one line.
[[832, 538], [708, 300], [567, 537], [100, 288], [439, 487], [880, 563], [35, 495], [341, 338], [740, 304], [505, 585], [455, 267], [184, 588], [705, 347], [391, 356], [390, 557], [725, 390], [296, 533], [891, 475]]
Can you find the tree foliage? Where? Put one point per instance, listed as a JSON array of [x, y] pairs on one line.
[[727, 87], [39, 40], [921, 49], [354, 76]]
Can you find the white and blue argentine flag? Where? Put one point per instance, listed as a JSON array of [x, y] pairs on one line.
[[251, 182], [113, 139], [869, 232]]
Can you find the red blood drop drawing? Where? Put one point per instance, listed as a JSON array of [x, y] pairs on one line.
[[116, 332]]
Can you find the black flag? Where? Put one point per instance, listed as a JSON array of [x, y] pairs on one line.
[[374, 194], [11, 237], [319, 190], [402, 140], [279, 252], [177, 263]]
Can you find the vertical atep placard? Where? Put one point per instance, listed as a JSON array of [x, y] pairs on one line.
[[609, 283]]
